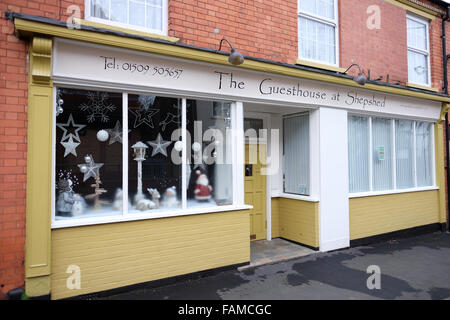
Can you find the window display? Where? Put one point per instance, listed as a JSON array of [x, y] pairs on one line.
[[88, 171], [154, 180], [93, 176], [208, 168]]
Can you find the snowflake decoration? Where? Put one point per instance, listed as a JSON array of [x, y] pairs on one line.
[[97, 106]]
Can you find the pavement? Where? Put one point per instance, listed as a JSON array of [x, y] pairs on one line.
[[267, 252], [410, 268]]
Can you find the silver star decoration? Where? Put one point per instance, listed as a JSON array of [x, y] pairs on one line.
[[70, 147], [159, 145], [70, 123], [115, 134], [93, 169], [144, 116]]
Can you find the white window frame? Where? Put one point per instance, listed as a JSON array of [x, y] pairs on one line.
[[237, 161], [424, 52], [164, 19], [395, 190], [332, 22]]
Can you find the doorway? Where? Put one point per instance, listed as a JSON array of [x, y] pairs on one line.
[[255, 181]]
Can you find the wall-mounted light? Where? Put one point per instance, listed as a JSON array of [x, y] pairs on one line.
[[236, 58], [360, 78]]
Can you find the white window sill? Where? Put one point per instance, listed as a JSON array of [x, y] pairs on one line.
[[78, 222], [296, 197], [380, 193]]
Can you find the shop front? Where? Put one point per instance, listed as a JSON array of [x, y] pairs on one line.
[[148, 161]]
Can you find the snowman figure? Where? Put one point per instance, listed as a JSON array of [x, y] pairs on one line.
[[170, 198], [65, 200], [202, 189]]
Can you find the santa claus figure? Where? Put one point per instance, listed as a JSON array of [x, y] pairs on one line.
[[202, 189]]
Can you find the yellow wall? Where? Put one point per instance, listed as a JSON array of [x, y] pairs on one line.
[[375, 215], [121, 254], [298, 220], [275, 218]]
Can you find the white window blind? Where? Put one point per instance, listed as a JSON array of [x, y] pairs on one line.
[[296, 154], [386, 154], [358, 153]]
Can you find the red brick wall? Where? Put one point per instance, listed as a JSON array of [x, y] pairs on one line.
[[259, 28], [13, 137], [264, 29]]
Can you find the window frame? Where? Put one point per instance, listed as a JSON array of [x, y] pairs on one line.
[[331, 22], [395, 190], [237, 160], [164, 20], [420, 51]]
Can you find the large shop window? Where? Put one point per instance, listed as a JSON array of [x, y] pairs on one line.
[[418, 50], [296, 154], [387, 154], [156, 167], [317, 30], [146, 15]]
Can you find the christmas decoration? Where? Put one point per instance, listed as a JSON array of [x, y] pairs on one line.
[[97, 193], [79, 205], [70, 147], [144, 116], [170, 198], [90, 169], [145, 204], [115, 134], [97, 106], [102, 135], [172, 118], [70, 123], [202, 188], [154, 195], [118, 200], [145, 101], [65, 201], [178, 146], [159, 145], [139, 156], [67, 175], [59, 103]]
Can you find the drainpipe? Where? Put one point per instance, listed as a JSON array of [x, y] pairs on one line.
[[445, 61]]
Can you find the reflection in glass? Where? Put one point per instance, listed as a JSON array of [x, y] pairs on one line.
[[209, 170]]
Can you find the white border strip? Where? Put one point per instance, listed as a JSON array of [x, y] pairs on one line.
[[381, 193], [144, 216]]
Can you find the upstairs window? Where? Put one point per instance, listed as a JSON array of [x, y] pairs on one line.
[[144, 15], [317, 31], [418, 50]]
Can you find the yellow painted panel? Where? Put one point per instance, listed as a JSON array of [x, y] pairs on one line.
[[375, 215], [275, 218], [121, 254], [38, 181], [299, 221]]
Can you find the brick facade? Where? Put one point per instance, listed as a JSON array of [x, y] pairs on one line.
[[264, 29]]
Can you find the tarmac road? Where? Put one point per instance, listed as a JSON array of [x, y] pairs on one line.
[[411, 268]]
